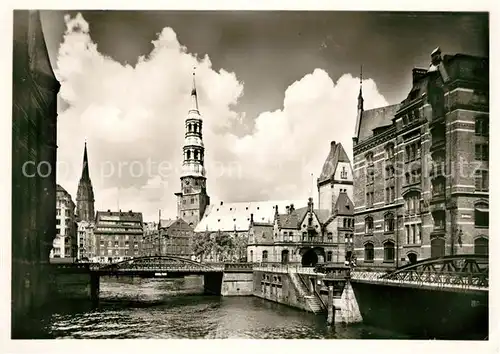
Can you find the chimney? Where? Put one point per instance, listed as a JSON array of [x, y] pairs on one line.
[[287, 209], [251, 218], [292, 208], [417, 74], [221, 202], [332, 144]]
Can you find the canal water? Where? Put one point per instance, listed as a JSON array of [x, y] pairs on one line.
[[165, 308]]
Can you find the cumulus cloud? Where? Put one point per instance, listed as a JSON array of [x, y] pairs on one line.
[[133, 119]]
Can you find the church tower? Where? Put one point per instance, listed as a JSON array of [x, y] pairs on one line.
[[192, 200], [359, 114], [85, 193]]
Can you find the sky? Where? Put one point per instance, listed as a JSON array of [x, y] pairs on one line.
[[274, 89]]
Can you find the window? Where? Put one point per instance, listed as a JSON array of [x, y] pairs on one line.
[[437, 247], [264, 256], [285, 236], [482, 126], [329, 256], [330, 235], [370, 176], [481, 180], [290, 236], [345, 223], [369, 159], [369, 199], [369, 225], [343, 173], [389, 172], [58, 211], [58, 221], [389, 223], [188, 154], [390, 195], [481, 215], [369, 254], [482, 152], [389, 251], [407, 233], [481, 246], [304, 236], [389, 151]]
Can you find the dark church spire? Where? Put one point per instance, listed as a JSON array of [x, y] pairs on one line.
[[360, 96], [85, 169], [359, 114], [85, 193]]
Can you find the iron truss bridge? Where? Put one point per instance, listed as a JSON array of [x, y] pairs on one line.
[[167, 264], [453, 273]]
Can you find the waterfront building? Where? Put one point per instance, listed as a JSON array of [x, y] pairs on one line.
[[421, 167], [34, 131], [85, 194], [65, 242], [86, 241], [150, 244], [118, 235], [175, 237], [306, 235]]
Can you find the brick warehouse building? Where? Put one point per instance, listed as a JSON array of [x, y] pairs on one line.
[[118, 235], [421, 167]]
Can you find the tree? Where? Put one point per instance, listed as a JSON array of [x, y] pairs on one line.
[[202, 245]]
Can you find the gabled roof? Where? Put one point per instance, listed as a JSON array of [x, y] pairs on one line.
[[295, 218], [337, 154], [236, 216], [374, 118], [165, 223], [344, 205]]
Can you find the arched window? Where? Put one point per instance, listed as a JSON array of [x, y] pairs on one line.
[[412, 258], [369, 253], [251, 256], [437, 247], [195, 127], [389, 251], [481, 245], [389, 222], [264, 256], [329, 256], [190, 127], [389, 150], [369, 225], [481, 215], [188, 154], [196, 154]]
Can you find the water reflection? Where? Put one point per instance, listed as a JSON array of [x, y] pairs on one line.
[[160, 308]]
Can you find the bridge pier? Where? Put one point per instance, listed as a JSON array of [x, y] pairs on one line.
[[94, 288], [212, 283]]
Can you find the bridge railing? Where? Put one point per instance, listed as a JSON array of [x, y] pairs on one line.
[[283, 268]]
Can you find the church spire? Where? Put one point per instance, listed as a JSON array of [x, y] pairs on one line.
[[85, 168], [360, 96], [85, 192], [194, 95]]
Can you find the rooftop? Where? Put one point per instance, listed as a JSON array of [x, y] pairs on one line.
[[236, 216]]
